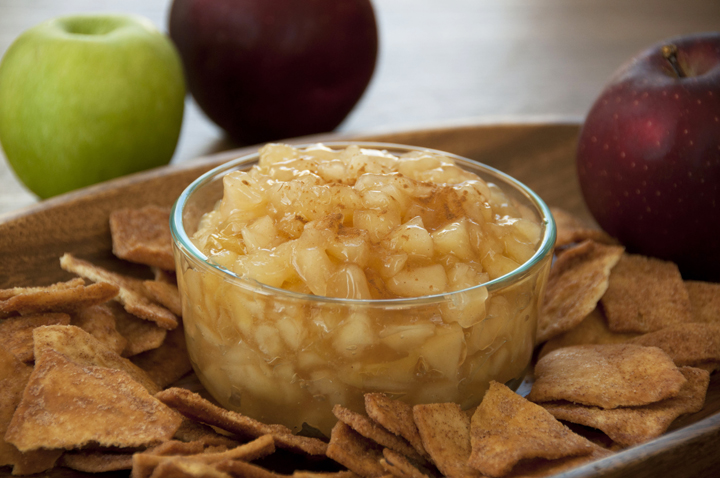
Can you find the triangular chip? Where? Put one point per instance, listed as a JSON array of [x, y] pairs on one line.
[[99, 321], [143, 236], [83, 404], [445, 432], [396, 416], [16, 333], [375, 432], [167, 363], [84, 349], [578, 279], [592, 330], [606, 376], [571, 229], [507, 428], [140, 335], [69, 296], [645, 294], [131, 292], [634, 425], [687, 344], [197, 408], [355, 452], [704, 301]]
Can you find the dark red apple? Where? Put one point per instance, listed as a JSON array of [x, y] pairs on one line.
[[648, 157], [270, 69]]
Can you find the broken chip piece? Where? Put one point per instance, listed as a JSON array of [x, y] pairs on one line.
[[16, 333], [578, 279], [131, 292], [507, 428], [69, 296], [99, 321], [355, 452], [634, 425], [634, 280], [606, 376], [167, 363], [143, 236], [396, 416], [14, 375]]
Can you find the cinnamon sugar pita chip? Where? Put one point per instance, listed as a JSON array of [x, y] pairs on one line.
[[84, 349], [167, 363], [396, 416], [243, 469], [634, 425], [14, 375], [181, 467], [143, 236], [592, 330], [375, 432], [140, 335], [197, 408], [165, 294], [355, 452], [687, 344], [69, 296], [99, 321], [131, 292], [195, 432], [645, 294], [507, 428], [94, 461], [571, 229], [540, 467], [606, 376], [704, 301], [16, 332], [83, 404], [578, 279], [445, 432], [400, 466]]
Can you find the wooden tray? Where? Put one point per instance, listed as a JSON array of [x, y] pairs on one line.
[[539, 154]]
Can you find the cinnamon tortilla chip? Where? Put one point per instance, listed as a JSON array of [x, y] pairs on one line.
[[396, 416], [355, 452], [165, 294], [645, 294], [16, 332], [507, 428], [704, 301], [571, 229], [634, 425], [140, 335], [168, 363], [578, 279], [375, 432], [592, 330], [83, 404], [97, 461], [192, 431], [84, 349], [131, 292], [181, 467], [245, 470], [69, 296], [14, 375], [606, 376], [143, 236], [445, 432], [400, 466], [540, 467], [99, 321], [687, 344], [197, 408]]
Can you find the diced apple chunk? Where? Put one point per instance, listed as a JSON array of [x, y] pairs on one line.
[[420, 281], [314, 268], [411, 238], [348, 282], [445, 351], [453, 239], [403, 338]]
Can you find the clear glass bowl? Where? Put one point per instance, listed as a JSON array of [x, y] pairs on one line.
[[274, 354]]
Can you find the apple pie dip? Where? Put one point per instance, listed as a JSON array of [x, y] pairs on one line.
[[326, 273]]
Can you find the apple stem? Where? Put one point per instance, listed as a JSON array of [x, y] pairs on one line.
[[669, 52]]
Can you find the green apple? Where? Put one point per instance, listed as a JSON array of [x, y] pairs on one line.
[[87, 98]]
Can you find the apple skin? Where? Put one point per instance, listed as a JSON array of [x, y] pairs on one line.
[[88, 98], [269, 69], [648, 157]]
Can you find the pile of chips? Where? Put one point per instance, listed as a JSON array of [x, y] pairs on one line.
[[91, 377]]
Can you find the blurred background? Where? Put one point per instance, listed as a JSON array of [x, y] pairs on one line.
[[443, 61]]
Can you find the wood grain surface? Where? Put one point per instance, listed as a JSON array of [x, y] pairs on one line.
[[539, 154]]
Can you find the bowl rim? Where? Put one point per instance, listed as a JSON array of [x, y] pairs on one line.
[[184, 244]]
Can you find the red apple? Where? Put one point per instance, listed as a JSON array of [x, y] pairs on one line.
[[648, 157], [270, 69]]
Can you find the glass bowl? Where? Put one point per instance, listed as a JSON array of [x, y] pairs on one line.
[[285, 357]]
